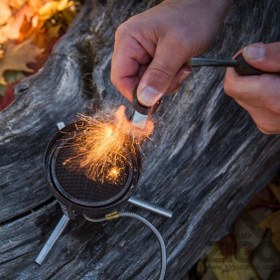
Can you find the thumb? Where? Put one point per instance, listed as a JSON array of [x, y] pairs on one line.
[[265, 57], [160, 74]]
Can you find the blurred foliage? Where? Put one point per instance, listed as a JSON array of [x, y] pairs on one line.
[[28, 31], [252, 249]]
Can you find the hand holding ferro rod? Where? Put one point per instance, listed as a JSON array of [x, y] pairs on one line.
[[239, 64], [142, 113]]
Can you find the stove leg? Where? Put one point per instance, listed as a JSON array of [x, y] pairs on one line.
[[151, 207], [52, 239]]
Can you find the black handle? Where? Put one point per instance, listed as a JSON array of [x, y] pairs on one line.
[[244, 69]]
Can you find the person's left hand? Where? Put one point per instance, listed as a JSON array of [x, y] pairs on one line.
[[259, 95]]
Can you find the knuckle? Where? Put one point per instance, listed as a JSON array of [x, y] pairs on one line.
[[113, 79], [266, 132], [271, 100], [265, 127], [273, 106], [160, 74], [272, 53], [127, 27], [123, 30], [120, 31], [228, 86]]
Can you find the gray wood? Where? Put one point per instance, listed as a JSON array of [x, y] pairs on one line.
[[205, 163]]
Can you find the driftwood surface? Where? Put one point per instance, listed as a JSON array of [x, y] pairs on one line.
[[206, 160]]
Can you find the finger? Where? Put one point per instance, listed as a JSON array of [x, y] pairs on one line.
[[128, 56], [160, 73], [257, 91], [263, 56], [141, 71], [266, 121], [181, 76]]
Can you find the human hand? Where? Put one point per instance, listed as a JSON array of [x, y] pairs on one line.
[[259, 95], [151, 49]]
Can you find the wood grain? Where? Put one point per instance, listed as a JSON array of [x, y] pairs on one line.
[[206, 160]]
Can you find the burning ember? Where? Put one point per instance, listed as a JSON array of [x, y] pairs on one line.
[[103, 147]]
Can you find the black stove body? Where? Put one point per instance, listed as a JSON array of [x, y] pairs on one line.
[[80, 196]]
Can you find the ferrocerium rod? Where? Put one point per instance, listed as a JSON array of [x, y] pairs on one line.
[[199, 61], [52, 239]]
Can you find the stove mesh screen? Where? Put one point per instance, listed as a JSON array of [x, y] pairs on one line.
[[75, 186]]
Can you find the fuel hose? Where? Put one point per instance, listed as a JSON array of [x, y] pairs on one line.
[[116, 215]]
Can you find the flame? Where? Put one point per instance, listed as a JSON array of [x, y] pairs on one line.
[[102, 147]]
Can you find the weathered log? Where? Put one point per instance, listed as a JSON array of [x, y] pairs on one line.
[[205, 163]]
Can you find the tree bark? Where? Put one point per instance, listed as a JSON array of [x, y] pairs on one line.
[[206, 161]]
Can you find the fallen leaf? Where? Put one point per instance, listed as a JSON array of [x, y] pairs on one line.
[[7, 92], [16, 4], [52, 7], [36, 4], [247, 231], [17, 56], [5, 12], [275, 190], [227, 245], [53, 31], [275, 275], [8, 96], [11, 30], [272, 222], [209, 275], [231, 268], [263, 198], [265, 258]]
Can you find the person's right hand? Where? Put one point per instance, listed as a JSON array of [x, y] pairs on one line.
[[151, 48]]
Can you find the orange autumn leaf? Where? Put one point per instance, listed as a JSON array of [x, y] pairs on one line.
[[20, 19], [15, 4], [17, 56], [272, 222], [5, 12], [36, 4], [276, 191], [52, 7], [11, 30]]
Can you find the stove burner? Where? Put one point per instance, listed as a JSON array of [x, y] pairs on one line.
[[71, 186], [95, 201]]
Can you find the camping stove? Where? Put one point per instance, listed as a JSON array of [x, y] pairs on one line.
[[80, 196]]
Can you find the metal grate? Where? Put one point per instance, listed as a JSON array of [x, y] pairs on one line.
[[75, 186]]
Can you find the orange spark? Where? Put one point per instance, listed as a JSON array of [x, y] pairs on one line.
[[114, 174], [103, 146]]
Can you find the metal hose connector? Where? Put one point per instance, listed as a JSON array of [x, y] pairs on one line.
[[116, 215]]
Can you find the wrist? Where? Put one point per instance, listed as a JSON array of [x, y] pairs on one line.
[[221, 6]]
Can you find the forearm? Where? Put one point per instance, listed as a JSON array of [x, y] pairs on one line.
[[221, 5]]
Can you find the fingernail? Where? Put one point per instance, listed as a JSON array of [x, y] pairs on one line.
[[254, 52], [148, 96], [184, 76]]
